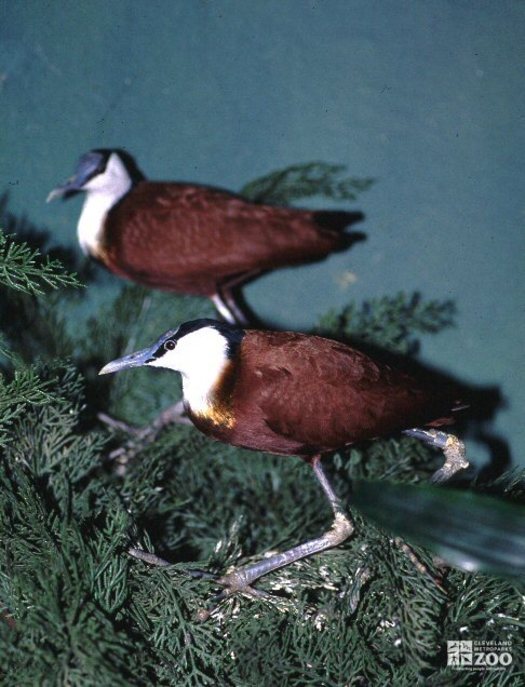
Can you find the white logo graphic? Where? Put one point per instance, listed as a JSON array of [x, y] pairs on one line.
[[459, 653], [466, 654]]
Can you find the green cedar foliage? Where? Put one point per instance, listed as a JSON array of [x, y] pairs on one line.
[[308, 180], [394, 323], [22, 268], [78, 610]]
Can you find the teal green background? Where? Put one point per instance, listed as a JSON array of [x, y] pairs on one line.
[[426, 97]]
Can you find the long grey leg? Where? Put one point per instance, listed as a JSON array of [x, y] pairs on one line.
[[226, 303], [452, 447], [342, 527], [228, 309]]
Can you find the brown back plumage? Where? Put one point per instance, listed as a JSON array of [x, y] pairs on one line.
[[190, 238], [303, 395]]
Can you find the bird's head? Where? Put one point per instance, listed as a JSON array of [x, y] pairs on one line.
[[108, 171], [200, 350]]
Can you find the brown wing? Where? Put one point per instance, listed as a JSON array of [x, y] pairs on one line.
[[316, 395], [168, 235]]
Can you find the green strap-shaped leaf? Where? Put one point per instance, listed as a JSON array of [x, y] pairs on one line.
[[470, 531]]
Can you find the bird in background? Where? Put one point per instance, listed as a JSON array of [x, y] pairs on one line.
[[189, 238], [288, 393]]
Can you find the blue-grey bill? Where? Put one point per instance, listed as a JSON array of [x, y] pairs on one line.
[[132, 360], [57, 192]]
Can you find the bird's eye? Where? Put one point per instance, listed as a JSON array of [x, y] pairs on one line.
[[169, 345]]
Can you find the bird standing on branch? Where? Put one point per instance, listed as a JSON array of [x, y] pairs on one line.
[[192, 239], [294, 394]]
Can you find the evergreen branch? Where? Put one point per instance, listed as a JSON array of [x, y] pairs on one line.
[[24, 269], [392, 322], [25, 389], [307, 180]]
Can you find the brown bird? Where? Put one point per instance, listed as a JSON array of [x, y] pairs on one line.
[[293, 394], [188, 238]]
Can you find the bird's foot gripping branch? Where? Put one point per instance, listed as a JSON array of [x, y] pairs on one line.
[[452, 447]]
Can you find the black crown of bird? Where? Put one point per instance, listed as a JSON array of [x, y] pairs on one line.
[[295, 394], [190, 238]]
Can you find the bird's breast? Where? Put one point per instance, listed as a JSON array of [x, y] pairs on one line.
[[91, 223], [215, 418], [209, 398]]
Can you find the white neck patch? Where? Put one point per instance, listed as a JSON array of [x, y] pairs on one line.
[[102, 192], [201, 357]]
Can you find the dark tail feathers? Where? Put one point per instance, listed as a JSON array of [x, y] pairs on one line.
[[337, 221]]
